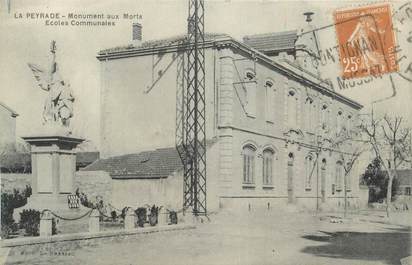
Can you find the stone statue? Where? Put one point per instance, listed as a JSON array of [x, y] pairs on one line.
[[58, 107]]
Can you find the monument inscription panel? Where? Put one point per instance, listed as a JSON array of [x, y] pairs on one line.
[[44, 173], [66, 173]]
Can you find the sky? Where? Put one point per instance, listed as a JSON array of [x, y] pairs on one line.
[[28, 40]]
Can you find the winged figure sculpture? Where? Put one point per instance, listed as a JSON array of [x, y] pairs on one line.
[[58, 107]]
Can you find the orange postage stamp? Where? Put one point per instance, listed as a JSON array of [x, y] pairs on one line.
[[366, 41]]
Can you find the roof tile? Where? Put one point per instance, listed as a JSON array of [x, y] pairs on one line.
[[158, 163], [272, 42]]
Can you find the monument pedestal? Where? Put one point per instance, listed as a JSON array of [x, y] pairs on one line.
[[53, 168]]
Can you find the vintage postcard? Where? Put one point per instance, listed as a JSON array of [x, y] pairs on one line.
[[206, 132]]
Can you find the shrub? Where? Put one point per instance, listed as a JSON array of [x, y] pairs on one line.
[[6, 214], [6, 230], [10, 201], [141, 214], [30, 222], [173, 217], [98, 204], [83, 199], [123, 214], [153, 216], [27, 192], [377, 179], [8, 226], [113, 214], [54, 227]]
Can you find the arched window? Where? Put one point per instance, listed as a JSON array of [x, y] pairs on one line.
[[268, 161], [270, 101], [248, 154], [309, 113], [250, 75], [269, 83], [292, 108], [325, 116], [323, 179], [338, 175], [291, 159], [324, 164], [339, 121], [250, 86], [309, 170], [349, 122], [348, 179]]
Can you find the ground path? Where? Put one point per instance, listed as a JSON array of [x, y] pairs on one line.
[[256, 238]]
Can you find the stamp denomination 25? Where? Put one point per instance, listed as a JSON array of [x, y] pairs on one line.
[[366, 42]]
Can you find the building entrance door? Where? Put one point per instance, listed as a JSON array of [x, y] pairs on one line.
[[290, 178], [322, 184], [323, 180]]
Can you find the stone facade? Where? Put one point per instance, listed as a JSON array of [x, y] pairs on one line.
[[269, 118]]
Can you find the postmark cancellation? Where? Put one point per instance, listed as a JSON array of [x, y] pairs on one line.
[[366, 41]]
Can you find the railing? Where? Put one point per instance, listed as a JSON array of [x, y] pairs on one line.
[[163, 216]]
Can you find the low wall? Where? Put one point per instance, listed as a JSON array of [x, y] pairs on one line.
[[14, 181], [92, 183], [363, 197], [167, 192], [238, 203], [71, 242], [247, 203]]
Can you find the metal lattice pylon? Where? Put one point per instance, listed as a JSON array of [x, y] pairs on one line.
[[181, 125], [190, 122]]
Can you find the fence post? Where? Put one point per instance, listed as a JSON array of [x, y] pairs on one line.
[[163, 218], [129, 219], [94, 225], [46, 224]]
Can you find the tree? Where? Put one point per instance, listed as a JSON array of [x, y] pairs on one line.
[[349, 148], [390, 142], [346, 143], [377, 180]]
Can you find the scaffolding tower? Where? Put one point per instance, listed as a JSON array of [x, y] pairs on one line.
[[190, 121]]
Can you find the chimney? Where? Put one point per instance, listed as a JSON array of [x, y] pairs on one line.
[[307, 45], [137, 34], [308, 16]]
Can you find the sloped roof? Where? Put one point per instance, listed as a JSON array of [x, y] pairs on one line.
[[171, 45], [13, 113], [160, 43], [86, 157], [267, 42], [272, 42], [159, 163]]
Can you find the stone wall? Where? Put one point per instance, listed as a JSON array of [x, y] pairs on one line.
[[14, 181], [92, 183], [67, 244], [139, 192], [363, 196]]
